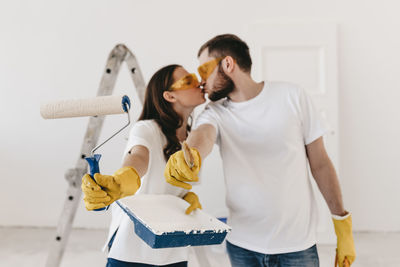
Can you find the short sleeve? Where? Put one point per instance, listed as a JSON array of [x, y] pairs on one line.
[[141, 133], [207, 116], [312, 125]]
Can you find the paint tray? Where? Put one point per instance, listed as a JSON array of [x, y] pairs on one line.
[[161, 222]]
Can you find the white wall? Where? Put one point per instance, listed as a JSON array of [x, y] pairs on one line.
[[57, 49]]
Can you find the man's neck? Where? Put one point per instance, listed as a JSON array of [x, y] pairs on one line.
[[245, 88]]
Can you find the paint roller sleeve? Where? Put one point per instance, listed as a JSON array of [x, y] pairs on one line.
[[101, 105]]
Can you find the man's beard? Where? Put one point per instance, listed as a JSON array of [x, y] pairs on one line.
[[223, 87]]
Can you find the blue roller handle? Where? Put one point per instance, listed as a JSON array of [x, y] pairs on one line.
[[94, 168], [94, 160], [126, 103]]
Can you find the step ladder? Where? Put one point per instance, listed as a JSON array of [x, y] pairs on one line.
[[117, 56]]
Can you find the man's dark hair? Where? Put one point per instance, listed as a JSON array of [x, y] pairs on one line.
[[229, 45]]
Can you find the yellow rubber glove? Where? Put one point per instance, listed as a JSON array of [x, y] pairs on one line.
[[345, 242], [94, 197], [194, 202], [177, 172], [108, 188]]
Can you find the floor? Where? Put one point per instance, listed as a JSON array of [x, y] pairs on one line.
[[25, 247]]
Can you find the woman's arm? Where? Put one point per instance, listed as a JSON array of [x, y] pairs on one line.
[[138, 158]]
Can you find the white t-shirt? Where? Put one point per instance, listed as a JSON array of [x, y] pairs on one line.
[[262, 144], [127, 246]]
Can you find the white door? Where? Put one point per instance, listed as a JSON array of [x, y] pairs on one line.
[[305, 54]]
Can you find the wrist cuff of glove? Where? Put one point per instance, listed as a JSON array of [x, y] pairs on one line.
[[128, 180], [343, 226], [340, 218]]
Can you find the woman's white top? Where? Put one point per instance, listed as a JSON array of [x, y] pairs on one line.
[[127, 246]]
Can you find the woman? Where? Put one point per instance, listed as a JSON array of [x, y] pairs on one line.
[[171, 96]]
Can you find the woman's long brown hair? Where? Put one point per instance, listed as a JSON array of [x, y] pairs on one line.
[[160, 110]]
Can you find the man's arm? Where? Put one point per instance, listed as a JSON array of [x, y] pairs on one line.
[[325, 175], [203, 139]]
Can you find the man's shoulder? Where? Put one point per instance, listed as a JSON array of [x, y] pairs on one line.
[[215, 105], [284, 86], [287, 90], [211, 112]]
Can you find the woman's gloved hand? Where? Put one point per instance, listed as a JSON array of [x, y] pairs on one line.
[[345, 242], [194, 202], [105, 189], [177, 172]]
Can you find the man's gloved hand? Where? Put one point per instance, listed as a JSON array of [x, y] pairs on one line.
[[177, 172], [106, 188], [194, 202], [345, 242]]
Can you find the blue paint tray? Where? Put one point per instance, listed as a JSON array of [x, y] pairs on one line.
[[161, 222]]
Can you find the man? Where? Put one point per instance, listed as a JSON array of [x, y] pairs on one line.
[[267, 134]]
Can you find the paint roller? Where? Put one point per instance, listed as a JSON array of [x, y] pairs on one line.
[[101, 105]]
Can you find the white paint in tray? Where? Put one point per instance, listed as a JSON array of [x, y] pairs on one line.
[[166, 213]]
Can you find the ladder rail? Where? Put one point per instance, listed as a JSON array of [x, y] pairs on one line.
[[136, 74]]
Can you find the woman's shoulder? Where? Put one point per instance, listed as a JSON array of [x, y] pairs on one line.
[[147, 127], [145, 123]]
